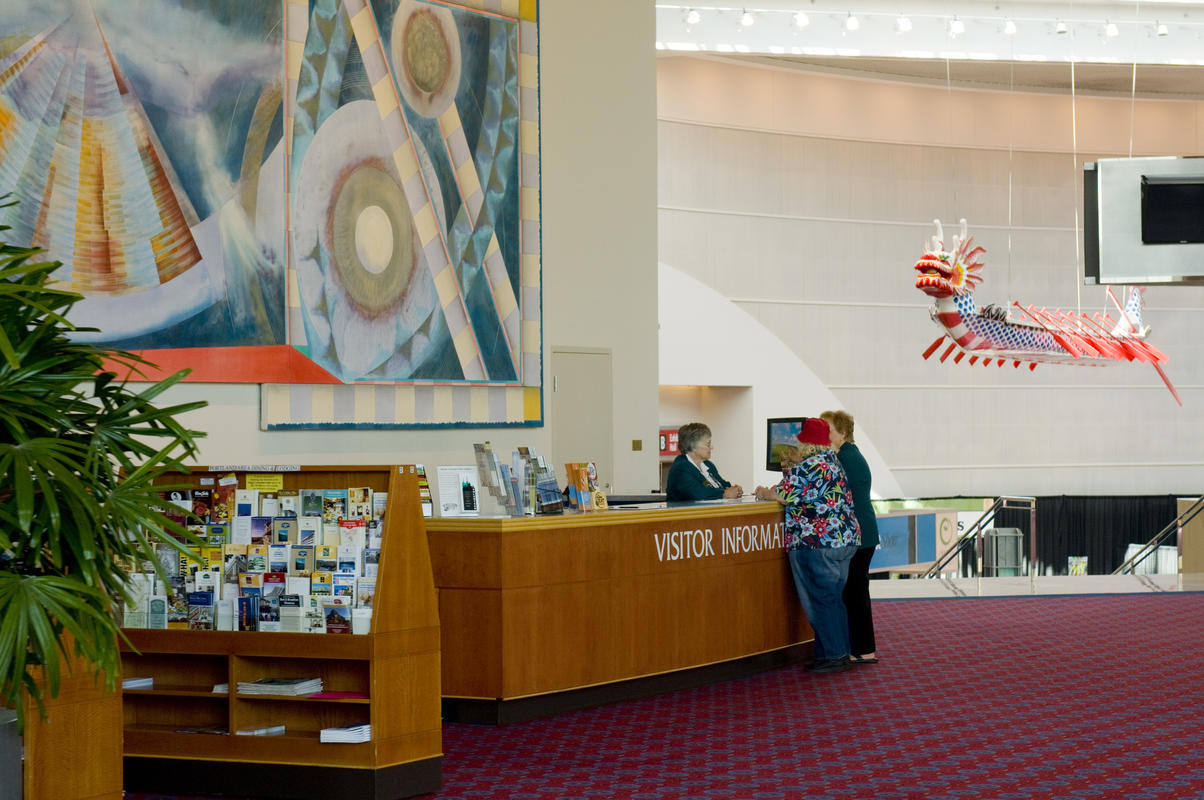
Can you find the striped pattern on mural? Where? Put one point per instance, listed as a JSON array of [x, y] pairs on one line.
[[515, 400]]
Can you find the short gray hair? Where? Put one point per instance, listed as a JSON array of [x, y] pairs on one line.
[[688, 436]]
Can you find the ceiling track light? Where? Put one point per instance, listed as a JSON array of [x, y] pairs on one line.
[[1061, 28], [852, 23], [747, 20], [801, 20], [1162, 30], [693, 17], [1009, 28], [956, 27], [903, 24], [1110, 30]]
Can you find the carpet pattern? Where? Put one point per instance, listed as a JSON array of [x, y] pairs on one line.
[[1010, 698]]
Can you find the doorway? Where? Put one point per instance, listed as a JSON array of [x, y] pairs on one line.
[[581, 411]]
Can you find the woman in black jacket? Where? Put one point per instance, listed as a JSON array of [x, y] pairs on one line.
[[857, 589]]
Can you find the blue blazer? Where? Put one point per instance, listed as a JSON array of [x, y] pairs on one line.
[[685, 482]]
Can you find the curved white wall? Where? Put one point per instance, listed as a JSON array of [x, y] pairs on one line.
[[804, 199], [698, 327]]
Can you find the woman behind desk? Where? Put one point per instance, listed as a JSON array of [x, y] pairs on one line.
[[693, 476]]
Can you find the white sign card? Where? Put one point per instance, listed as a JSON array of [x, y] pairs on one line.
[[459, 491]]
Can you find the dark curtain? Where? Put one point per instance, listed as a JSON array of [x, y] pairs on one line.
[[1100, 528]]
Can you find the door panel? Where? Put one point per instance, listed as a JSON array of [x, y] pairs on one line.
[[581, 411]]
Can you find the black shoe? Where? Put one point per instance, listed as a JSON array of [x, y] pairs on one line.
[[829, 665], [815, 662]]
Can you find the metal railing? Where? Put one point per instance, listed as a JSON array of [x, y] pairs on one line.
[[974, 535], [1174, 528]]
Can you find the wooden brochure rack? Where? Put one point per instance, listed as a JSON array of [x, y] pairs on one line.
[[396, 667]]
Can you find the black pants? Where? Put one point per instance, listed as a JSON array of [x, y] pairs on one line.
[[857, 602]]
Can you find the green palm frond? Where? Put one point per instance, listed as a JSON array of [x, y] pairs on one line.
[[35, 611], [80, 451]]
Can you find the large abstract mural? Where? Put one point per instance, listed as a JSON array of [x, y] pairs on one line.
[[128, 134], [337, 199]]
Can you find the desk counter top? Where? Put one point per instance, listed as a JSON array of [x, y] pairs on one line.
[[626, 514], [537, 605]]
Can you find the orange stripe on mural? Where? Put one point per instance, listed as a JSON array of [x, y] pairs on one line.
[[266, 364]]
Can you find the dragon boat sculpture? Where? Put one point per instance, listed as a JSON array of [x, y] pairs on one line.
[[1032, 336]]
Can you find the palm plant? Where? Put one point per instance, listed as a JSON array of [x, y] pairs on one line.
[[80, 450]]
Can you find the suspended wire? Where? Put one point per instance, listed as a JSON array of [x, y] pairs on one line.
[[1132, 109], [1011, 171], [1132, 106], [1133, 82], [1074, 143], [949, 128]]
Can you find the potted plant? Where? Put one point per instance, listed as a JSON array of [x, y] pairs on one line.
[[80, 449]]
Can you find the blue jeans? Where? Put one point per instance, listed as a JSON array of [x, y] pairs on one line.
[[819, 578]]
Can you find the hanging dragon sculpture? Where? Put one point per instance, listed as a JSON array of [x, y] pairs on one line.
[[1032, 336]]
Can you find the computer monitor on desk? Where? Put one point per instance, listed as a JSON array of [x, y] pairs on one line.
[[780, 433]]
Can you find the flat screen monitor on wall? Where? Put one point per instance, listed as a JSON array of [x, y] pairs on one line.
[[1172, 209], [780, 433], [1143, 220]]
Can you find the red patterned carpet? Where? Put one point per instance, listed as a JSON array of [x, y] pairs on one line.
[[1023, 697]]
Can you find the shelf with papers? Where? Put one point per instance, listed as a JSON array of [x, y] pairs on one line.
[[303, 747], [395, 667], [174, 691], [306, 698], [335, 675], [252, 643]]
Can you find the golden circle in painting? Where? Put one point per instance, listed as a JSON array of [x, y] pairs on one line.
[[371, 237], [425, 48], [426, 52]]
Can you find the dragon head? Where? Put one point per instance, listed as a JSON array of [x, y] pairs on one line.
[[944, 273]]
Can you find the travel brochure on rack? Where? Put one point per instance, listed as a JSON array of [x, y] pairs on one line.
[[523, 487], [272, 559]]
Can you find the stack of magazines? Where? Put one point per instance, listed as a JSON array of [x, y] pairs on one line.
[[353, 733], [265, 730], [289, 686]]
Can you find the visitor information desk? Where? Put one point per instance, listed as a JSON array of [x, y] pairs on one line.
[[545, 614]]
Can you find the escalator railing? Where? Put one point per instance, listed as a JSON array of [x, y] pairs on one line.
[[971, 540], [1174, 528]]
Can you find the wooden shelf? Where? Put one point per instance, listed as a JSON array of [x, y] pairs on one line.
[[293, 747], [174, 691], [163, 730], [253, 643], [304, 698], [396, 666]]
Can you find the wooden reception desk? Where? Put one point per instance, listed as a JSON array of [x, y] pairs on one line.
[[545, 614]]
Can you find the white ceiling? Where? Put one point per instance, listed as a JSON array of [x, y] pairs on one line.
[[1136, 60]]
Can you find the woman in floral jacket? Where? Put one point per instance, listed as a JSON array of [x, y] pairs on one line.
[[821, 536]]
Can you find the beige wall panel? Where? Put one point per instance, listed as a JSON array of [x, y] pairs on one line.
[[819, 246], [715, 92]]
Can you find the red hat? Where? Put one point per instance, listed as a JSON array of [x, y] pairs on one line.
[[815, 431]]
